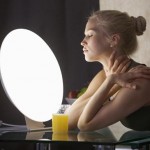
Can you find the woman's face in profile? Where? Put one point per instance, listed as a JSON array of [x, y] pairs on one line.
[[94, 43]]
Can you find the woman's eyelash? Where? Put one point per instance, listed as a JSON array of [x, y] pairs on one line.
[[89, 35]]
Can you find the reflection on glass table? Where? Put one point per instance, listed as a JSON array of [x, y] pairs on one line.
[[103, 137], [136, 139]]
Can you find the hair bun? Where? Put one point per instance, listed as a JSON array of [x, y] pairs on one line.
[[139, 24]]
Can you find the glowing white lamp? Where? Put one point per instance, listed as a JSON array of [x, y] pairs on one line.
[[30, 75]]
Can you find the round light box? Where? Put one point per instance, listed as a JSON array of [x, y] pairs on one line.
[[30, 75]]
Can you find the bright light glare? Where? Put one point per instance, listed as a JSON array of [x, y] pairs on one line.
[[31, 75]]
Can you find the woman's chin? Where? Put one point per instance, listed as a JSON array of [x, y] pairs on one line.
[[88, 59]]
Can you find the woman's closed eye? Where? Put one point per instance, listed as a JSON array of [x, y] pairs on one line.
[[88, 36]]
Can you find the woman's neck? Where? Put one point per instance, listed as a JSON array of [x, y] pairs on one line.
[[105, 60]]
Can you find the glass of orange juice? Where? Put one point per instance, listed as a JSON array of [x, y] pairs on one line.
[[60, 121], [60, 137]]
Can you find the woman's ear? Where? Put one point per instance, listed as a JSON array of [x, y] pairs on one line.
[[115, 38]]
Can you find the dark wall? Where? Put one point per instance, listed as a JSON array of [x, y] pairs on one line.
[[61, 24]]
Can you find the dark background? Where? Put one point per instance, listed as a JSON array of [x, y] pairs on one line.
[[61, 24]]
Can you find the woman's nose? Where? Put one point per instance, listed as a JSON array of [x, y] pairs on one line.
[[83, 42]]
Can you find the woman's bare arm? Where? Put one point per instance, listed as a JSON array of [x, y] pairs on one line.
[[75, 110], [96, 115]]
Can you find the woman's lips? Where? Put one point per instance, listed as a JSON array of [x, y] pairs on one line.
[[85, 50]]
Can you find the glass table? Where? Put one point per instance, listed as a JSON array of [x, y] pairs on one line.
[[103, 139]]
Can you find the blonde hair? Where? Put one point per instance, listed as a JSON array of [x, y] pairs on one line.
[[116, 22]]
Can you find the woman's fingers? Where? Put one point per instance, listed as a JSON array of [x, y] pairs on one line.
[[121, 64], [140, 67], [124, 66], [143, 70], [126, 79], [129, 85]]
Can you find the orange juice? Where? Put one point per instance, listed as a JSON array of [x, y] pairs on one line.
[[60, 136], [60, 123]]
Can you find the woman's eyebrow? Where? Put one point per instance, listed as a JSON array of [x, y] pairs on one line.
[[91, 30]]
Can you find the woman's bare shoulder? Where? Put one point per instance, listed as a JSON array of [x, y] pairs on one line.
[[100, 76], [98, 79], [135, 98], [143, 86]]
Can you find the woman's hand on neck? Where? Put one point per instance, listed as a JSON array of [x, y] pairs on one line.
[[116, 62]]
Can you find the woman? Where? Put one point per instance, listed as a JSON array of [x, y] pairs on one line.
[[119, 92]]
